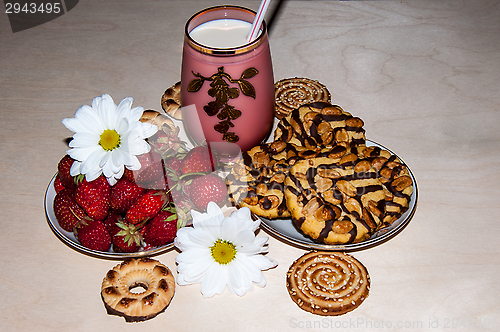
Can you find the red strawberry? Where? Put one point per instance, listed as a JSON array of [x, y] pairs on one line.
[[58, 185], [111, 222], [160, 184], [151, 169], [63, 167], [129, 175], [93, 235], [123, 194], [166, 141], [67, 212], [128, 239], [173, 165], [161, 229], [199, 159], [208, 188], [94, 197], [146, 207]]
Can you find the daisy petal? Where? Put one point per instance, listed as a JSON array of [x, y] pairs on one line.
[[74, 125], [122, 126], [251, 269], [82, 154], [229, 229], [84, 139], [75, 168], [244, 238], [183, 242], [211, 284], [147, 130], [107, 112], [256, 247], [136, 113], [95, 102], [195, 272], [91, 164], [201, 237], [133, 163], [263, 262], [194, 256], [123, 108]]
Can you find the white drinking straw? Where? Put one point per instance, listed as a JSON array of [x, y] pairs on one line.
[[258, 20]]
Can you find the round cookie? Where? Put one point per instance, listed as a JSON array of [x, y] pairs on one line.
[[321, 125], [345, 198], [291, 93], [257, 180], [156, 279], [327, 284], [171, 101], [395, 178]]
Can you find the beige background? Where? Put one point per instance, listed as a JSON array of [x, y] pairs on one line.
[[424, 75]]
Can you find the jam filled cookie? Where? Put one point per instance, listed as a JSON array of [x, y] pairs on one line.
[[320, 125], [291, 93], [156, 280], [327, 284]]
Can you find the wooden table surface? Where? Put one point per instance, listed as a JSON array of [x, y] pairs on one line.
[[423, 75]]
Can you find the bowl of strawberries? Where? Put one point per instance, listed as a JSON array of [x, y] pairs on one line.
[[139, 213]]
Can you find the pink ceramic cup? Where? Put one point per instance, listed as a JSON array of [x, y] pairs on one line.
[[227, 94]]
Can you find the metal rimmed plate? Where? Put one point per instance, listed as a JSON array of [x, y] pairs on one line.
[[70, 240], [286, 231]]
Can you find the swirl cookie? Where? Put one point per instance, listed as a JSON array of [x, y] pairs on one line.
[[348, 198], [320, 125], [171, 101], [291, 93], [119, 299], [327, 284]]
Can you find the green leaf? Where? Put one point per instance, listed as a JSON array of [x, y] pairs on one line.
[[172, 217], [181, 223]]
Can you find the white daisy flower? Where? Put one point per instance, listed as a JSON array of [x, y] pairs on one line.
[[219, 251], [107, 138]]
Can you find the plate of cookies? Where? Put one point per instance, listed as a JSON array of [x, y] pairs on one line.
[[319, 183], [363, 229]]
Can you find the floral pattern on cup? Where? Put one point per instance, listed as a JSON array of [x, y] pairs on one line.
[[221, 90]]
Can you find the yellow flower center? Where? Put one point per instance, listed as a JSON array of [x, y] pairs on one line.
[[223, 251], [109, 140]]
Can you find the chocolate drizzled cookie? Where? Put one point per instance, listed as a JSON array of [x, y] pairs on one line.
[[347, 199], [319, 171], [257, 180], [321, 125]]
